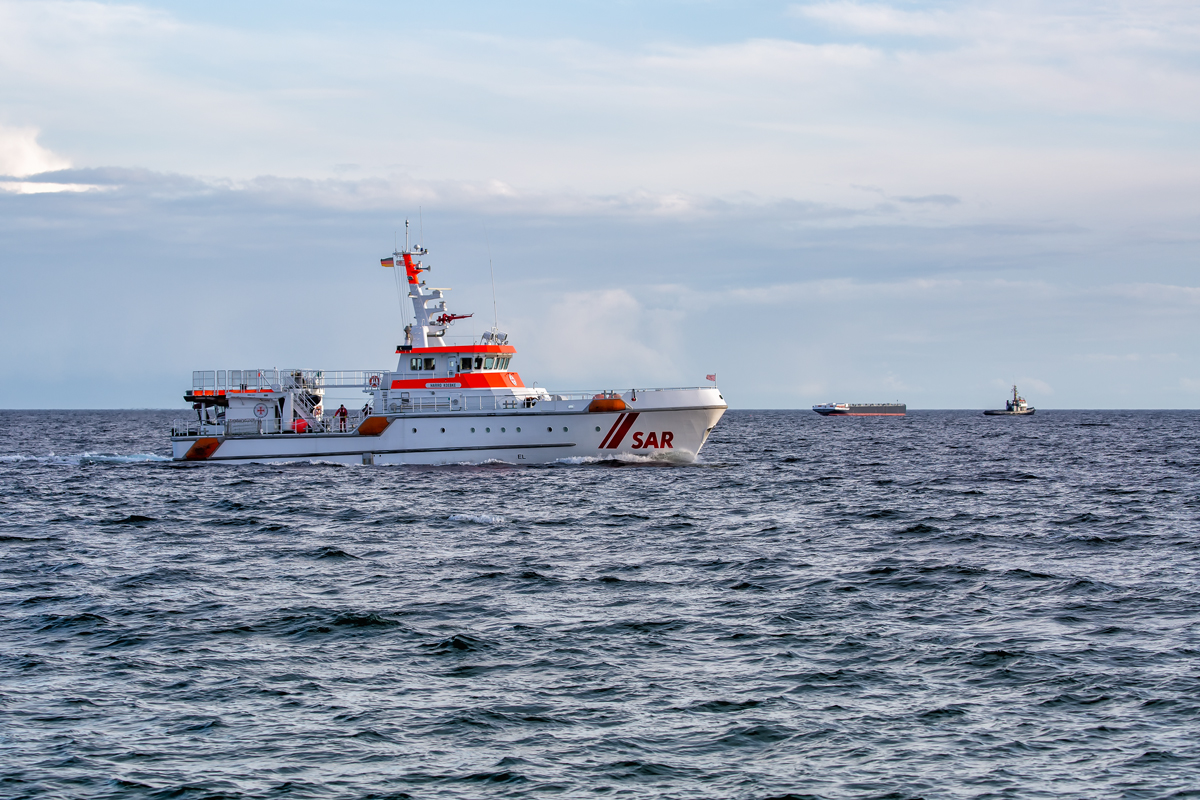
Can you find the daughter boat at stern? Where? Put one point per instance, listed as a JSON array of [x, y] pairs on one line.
[[443, 404]]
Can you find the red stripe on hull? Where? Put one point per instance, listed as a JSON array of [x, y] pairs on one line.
[[861, 415], [619, 437], [611, 431]]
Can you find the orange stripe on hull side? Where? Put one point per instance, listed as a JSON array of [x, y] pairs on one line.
[[202, 449], [373, 426]]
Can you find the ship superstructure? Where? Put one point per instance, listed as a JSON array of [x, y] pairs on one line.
[[443, 403]]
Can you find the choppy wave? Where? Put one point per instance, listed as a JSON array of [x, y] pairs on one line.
[[75, 460], [655, 459], [940, 605], [482, 519]]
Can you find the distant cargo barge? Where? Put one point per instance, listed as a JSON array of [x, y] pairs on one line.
[[861, 409]]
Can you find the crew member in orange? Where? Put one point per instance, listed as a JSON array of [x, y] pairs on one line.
[[341, 414]]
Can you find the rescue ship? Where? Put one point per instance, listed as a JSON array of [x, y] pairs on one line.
[[442, 404]]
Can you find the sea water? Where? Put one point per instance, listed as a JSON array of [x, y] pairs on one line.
[[940, 606]]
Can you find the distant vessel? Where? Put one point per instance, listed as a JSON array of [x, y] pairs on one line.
[[1017, 407], [861, 409]]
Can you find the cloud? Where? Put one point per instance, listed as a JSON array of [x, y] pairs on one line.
[[1023, 110], [1039, 386], [879, 19], [1128, 358], [1104, 58], [21, 155], [606, 332], [931, 199]]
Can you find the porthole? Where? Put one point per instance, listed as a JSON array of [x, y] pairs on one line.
[[487, 430], [597, 429], [443, 430], [472, 430], [518, 430], [564, 428], [415, 430], [503, 430], [549, 430]]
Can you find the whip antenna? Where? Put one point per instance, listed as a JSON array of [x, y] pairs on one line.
[[495, 313]]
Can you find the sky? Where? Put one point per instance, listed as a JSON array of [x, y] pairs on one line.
[[818, 201]]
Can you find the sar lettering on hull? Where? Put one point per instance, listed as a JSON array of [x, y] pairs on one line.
[[447, 401]]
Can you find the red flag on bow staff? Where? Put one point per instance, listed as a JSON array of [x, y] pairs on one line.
[[712, 377]]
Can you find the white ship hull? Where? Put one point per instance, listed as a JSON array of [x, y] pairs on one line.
[[667, 424]]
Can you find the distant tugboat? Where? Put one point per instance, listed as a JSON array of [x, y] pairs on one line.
[[860, 409], [1017, 407]]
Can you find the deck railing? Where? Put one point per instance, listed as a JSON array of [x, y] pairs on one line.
[[329, 423], [220, 381]]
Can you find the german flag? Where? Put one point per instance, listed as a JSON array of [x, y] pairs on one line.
[[387, 262]]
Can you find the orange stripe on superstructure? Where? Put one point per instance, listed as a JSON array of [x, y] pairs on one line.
[[466, 380], [473, 349]]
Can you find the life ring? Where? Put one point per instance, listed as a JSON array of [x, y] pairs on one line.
[[374, 382]]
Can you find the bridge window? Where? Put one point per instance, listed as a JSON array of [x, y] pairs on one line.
[[464, 365], [478, 362], [430, 363], [488, 362]]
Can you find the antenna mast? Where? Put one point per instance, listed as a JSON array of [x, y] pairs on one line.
[[495, 313]]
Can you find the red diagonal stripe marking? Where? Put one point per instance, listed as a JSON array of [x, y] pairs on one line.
[[625, 426], [611, 431]]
